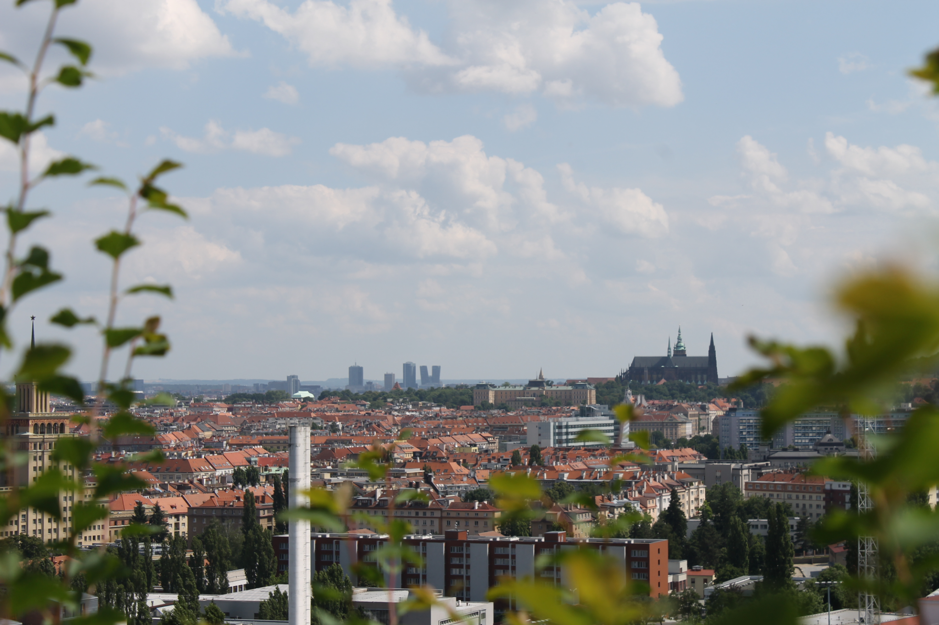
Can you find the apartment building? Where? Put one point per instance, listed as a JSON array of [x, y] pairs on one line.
[[434, 517], [466, 567], [809, 495]]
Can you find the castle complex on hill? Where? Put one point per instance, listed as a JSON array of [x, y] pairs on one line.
[[676, 365]]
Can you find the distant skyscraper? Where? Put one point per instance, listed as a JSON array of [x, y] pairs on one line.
[[435, 376], [389, 381], [293, 384], [356, 377], [425, 377], [410, 375]]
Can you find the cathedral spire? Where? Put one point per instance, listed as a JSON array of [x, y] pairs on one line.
[[669, 347]]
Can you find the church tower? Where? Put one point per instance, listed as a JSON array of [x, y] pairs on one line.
[[712, 362], [679, 346]]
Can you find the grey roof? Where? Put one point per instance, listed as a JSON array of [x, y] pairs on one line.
[[653, 362]]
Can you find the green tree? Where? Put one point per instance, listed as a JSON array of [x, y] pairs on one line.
[[332, 592], [687, 604], [704, 547], [197, 564], [275, 607], [674, 516], [757, 554], [738, 546], [280, 504], [239, 478], [515, 526], [158, 520], [534, 456], [479, 494], [249, 514], [218, 553], [260, 561], [777, 572], [173, 562], [214, 615], [559, 491], [516, 459], [252, 476], [642, 528], [725, 501]]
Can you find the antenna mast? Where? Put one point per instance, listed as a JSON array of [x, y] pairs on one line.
[[868, 603]]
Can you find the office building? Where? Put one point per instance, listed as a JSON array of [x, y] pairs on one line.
[[389, 381], [435, 375], [293, 384], [410, 375], [563, 432], [356, 377], [425, 377]]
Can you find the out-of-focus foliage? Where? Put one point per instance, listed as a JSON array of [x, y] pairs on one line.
[[120, 577]]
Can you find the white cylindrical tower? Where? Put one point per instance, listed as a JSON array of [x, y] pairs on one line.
[[299, 568]]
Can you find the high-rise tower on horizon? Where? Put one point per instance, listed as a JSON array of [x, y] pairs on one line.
[[409, 375], [435, 375], [293, 384], [425, 377], [356, 377]]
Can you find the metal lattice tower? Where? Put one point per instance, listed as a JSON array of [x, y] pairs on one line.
[[868, 603]]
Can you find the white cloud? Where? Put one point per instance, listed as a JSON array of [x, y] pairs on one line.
[[366, 33], [40, 155], [644, 266], [853, 62], [553, 46], [264, 141], [882, 161], [759, 160], [490, 192], [523, 115], [630, 211], [182, 254], [126, 36], [99, 130], [283, 92]]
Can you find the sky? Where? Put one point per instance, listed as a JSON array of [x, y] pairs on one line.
[[493, 186]]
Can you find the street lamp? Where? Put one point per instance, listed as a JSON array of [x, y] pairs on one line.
[[829, 585]]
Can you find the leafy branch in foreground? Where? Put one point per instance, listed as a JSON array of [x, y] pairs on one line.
[[73, 474]]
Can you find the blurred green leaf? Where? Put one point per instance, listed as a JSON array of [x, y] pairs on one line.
[[164, 167], [9, 58], [162, 289], [592, 436], [67, 318], [929, 71], [157, 199], [411, 495], [48, 120], [624, 412], [113, 479], [12, 126], [79, 49], [68, 166], [641, 439], [85, 514], [318, 518], [74, 450], [21, 220], [116, 337], [124, 423], [115, 243], [42, 361], [108, 182], [64, 386], [70, 76]]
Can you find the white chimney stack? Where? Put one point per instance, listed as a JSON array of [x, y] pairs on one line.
[[300, 594]]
